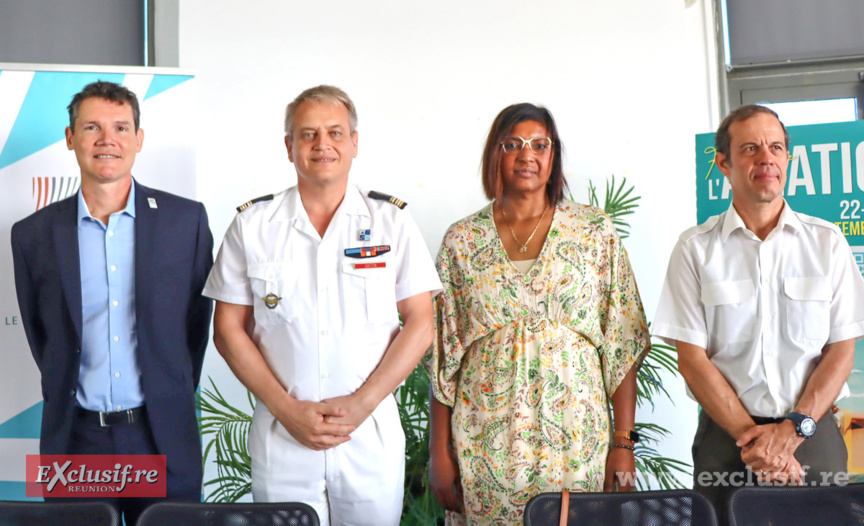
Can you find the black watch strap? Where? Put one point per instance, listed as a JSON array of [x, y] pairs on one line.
[[805, 425], [628, 434]]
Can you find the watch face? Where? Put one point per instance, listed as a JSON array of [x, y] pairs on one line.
[[808, 427]]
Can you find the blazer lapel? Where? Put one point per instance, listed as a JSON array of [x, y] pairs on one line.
[[145, 225], [66, 246]]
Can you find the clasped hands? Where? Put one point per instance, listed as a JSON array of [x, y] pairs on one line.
[[326, 424], [768, 450]]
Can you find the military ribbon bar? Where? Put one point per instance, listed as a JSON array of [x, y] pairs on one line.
[[367, 252]]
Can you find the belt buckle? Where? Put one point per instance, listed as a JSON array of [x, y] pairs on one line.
[[129, 415]]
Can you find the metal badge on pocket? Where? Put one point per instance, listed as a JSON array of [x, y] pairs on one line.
[[271, 300]]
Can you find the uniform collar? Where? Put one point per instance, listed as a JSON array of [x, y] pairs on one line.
[[84, 210], [732, 221], [291, 208]]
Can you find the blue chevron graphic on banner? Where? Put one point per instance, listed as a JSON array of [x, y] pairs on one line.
[[162, 83], [43, 116], [26, 424]]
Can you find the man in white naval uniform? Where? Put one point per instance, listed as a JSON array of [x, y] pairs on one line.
[[310, 284]]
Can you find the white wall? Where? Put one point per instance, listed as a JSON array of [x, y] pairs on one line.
[[629, 82]]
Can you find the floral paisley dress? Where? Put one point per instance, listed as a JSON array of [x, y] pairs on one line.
[[529, 362]]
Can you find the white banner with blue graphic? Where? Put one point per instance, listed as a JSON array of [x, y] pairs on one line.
[[36, 169], [825, 179]]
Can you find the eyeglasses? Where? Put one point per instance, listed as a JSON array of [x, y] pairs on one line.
[[538, 145]]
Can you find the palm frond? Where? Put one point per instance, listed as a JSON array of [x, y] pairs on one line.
[[618, 203], [228, 427]]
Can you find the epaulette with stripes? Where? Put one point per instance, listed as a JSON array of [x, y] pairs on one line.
[[384, 197], [247, 204]]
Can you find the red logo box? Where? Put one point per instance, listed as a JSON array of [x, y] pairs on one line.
[[96, 476]]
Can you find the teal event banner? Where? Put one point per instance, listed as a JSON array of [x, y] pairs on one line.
[[825, 179]]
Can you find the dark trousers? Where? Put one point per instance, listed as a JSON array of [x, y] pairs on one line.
[[89, 438], [718, 469]]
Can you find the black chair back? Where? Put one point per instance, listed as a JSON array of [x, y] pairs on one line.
[[793, 506], [30, 513], [638, 508], [237, 514]]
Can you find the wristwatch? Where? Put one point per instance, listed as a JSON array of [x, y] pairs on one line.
[[804, 425], [628, 434]]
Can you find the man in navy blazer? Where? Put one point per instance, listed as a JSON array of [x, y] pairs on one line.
[[109, 286]]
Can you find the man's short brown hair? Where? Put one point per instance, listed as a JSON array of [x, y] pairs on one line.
[[722, 139], [104, 90]]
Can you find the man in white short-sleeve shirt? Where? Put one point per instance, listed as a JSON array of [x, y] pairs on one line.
[[310, 284], [764, 306]]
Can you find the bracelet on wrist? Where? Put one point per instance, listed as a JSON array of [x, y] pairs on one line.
[[624, 446]]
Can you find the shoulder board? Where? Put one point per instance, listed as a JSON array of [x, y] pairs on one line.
[[247, 204], [694, 231], [384, 197]]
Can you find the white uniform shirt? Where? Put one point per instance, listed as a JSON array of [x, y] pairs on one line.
[[763, 310], [326, 333], [333, 322]]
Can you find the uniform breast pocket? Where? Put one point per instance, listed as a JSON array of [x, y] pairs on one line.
[[272, 285], [730, 309], [373, 290], [808, 308]]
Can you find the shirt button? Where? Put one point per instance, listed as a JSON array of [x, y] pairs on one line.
[[119, 407], [117, 375], [110, 233], [116, 339], [115, 303], [113, 268], [72, 392], [324, 332], [77, 351], [325, 376], [769, 318]]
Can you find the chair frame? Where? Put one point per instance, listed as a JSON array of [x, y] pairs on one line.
[[217, 507], [615, 498], [62, 510]]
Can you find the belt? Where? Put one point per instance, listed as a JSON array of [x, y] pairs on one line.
[[112, 418], [762, 420]]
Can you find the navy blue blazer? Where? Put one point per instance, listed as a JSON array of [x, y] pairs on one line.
[[173, 256]]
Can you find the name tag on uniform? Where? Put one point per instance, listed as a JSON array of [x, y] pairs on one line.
[[380, 264], [367, 252]]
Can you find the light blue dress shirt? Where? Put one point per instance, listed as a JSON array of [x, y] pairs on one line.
[[109, 377]]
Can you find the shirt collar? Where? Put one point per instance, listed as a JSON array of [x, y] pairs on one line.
[[732, 221], [789, 218], [84, 210], [291, 207]]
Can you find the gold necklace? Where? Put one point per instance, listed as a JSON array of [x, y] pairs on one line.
[[523, 247]]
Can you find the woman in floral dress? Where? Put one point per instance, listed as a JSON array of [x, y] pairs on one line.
[[539, 326]]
